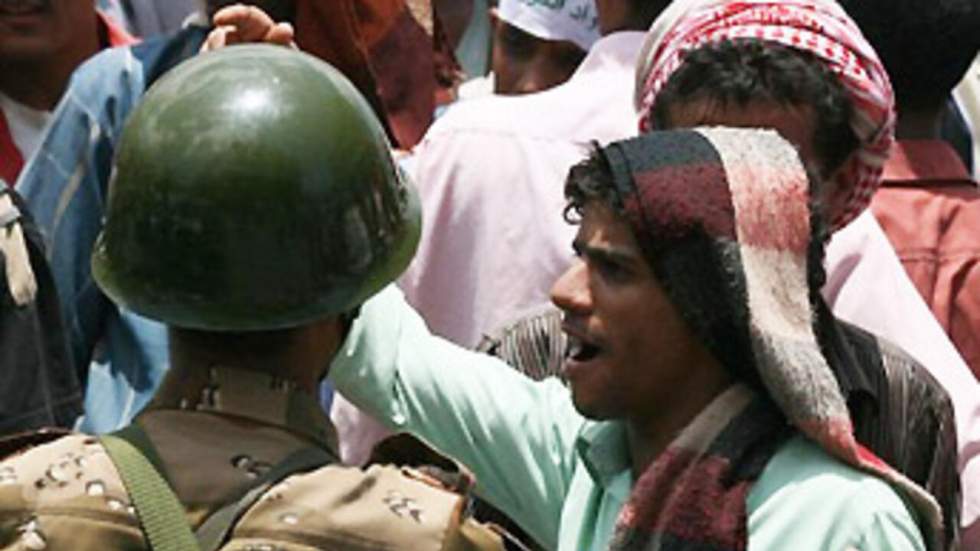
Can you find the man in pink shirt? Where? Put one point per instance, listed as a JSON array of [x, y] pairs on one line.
[[41, 44], [489, 173], [929, 206]]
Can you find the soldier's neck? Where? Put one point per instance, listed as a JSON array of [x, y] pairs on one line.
[[301, 355]]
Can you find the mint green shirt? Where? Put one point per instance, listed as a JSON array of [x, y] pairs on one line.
[[563, 477]]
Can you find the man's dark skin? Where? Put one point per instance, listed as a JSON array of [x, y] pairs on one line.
[[524, 64], [655, 375], [41, 44], [628, 15]]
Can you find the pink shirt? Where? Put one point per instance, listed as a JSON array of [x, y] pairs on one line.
[[491, 174], [867, 286]]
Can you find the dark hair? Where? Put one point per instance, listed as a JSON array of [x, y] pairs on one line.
[[590, 180], [260, 344], [926, 45], [737, 73], [644, 12]]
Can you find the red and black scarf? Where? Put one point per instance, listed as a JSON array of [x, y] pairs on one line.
[[724, 217]]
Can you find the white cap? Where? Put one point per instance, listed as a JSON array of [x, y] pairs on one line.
[[572, 20]]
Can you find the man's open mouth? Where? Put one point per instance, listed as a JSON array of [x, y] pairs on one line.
[[581, 350], [23, 7]]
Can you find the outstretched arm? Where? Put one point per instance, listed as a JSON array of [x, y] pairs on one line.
[[515, 434]]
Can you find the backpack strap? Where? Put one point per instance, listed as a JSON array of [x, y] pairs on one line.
[[161, 515], [216, 529]]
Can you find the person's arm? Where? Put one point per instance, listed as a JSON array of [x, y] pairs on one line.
[[516, 435], [891, 532], [65, 183]]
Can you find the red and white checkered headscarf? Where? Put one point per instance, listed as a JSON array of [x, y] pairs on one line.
[[820, 27]]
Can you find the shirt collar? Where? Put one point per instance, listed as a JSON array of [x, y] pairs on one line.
[[249, 395], [603, 449], [924, 162]]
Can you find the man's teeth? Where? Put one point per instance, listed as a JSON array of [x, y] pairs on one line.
[[581, 350]]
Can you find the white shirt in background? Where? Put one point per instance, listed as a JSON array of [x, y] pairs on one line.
[[26, 125]]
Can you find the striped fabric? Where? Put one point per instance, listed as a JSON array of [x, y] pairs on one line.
[[723, 217], [535, 345], [820, 27]]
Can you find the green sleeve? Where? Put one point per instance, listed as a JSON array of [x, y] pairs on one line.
[[516, 435], [888, 531], [815, 502]]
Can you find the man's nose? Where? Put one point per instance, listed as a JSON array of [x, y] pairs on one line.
[[571, 291]]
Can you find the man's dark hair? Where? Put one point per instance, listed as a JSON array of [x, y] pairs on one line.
[[926, 45], [590, 180], [257, 344], [644, 12], [738, 73]]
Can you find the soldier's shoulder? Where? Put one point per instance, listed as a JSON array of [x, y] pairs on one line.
[[381, 507], [61, 492]]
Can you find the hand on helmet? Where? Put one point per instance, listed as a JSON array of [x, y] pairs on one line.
[[240, 24]]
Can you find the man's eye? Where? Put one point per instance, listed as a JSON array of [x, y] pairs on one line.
[[611, 270]]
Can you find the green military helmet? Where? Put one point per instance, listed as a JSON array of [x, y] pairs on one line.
[[253, 189]]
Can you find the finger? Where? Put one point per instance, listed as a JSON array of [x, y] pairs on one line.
[[230, 15], [251, 24], [218, 38], [281, 34]]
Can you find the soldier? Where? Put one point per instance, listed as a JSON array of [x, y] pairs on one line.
[[254, 206]]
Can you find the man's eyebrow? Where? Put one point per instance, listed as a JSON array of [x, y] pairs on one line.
[[618, 255]]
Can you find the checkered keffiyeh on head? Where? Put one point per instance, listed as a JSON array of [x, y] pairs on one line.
[[724, 218], [819, 27]]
